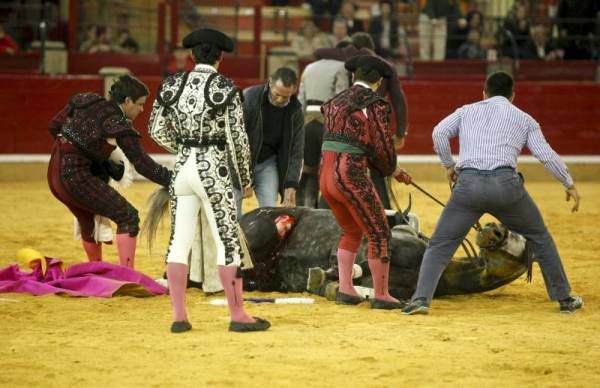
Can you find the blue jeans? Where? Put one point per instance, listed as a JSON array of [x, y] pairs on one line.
[[266, 184]]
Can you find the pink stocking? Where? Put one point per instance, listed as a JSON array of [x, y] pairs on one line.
[[126, 247], [380, 272], [93, 250], [232, 285], [177, 279], [345, 261]]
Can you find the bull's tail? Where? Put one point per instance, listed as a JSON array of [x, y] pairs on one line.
[[157, 206]]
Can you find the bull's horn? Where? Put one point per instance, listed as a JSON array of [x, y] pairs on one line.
[[407, 210]]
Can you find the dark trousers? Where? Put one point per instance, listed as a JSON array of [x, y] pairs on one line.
[[85, 195], [308, 191], [500, 193]]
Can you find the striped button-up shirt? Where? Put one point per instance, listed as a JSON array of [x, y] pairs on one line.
[[492, 134]]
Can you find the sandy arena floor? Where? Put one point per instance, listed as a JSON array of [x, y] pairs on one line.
[[513, 336]]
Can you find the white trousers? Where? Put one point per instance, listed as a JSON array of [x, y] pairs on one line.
[[432, 33], [194, 219]]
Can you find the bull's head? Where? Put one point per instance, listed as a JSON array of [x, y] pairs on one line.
[[492, 235], [497, 237]]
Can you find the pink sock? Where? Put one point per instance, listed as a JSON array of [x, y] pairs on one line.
[[177, 279], [380, 272], [93, 250], [126, 247], [232, 285], [345, 261]]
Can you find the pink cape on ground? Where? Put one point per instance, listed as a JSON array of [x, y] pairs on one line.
[[85, 279]]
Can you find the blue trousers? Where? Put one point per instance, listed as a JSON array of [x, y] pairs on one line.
[[266, 184]]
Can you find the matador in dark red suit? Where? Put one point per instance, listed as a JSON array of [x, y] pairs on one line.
[[358, 138], [86, 131]]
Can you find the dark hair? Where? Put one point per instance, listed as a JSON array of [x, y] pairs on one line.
[[499, 84], [371, 75], [363, 40], [286, 75], [342, 44], [127, 86], [206, 53], [100, 30]]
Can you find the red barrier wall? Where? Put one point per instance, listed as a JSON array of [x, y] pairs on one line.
[[569, 112]]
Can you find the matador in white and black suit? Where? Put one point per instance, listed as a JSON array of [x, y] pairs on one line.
[[198, 116]]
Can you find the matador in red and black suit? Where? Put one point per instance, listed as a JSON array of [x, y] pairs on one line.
[[86, 131], [358, 138]]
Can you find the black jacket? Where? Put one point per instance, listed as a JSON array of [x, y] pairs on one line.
[[291, 150]]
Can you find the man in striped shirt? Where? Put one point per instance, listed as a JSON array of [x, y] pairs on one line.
[[491, 135]]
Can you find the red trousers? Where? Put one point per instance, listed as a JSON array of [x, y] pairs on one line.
[[347, 187]]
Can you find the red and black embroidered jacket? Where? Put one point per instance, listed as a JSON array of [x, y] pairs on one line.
[[360, 117], [89, 120]]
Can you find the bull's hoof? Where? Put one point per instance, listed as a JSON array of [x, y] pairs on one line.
[[316, 278], [180, 326], [331, 290], [386, 305], [341, 298], [243, 327], [571, 304]]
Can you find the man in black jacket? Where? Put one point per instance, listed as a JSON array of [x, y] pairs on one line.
[[275, 126]]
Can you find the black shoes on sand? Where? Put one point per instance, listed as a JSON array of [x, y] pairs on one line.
[[243, 327], [180, 326], [417, 306]]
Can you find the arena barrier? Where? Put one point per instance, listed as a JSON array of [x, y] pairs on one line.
[[567, 111]]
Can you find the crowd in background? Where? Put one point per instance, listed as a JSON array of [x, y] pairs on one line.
[[445, 31], [442, 29]]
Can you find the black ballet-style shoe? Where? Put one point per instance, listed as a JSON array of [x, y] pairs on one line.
[[180, 326], [386, 305], [243, 327], [341, 298]]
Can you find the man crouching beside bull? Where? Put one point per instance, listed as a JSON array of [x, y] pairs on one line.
[[357, 138]]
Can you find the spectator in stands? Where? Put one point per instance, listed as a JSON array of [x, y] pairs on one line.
[[386, 32], [347, 11], [539, 45], [308, 39], [578, 23], [179, 60], [8, 46], [472, 49], [516, 25], [459, 30], [322, 10], [103, 42], [339, 31], [275, 127], [90, 39], [126, 43], [433, 28]]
